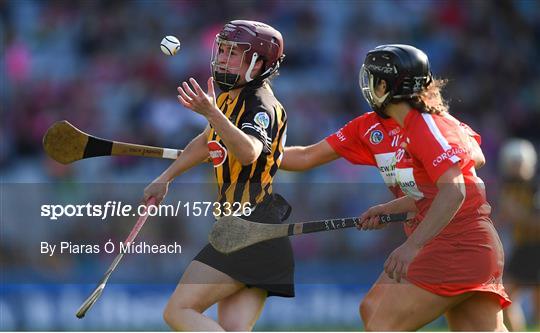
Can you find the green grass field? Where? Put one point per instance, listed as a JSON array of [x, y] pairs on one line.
[[428, 328]]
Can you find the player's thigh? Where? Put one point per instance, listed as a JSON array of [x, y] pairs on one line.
[[201, 286], [480, 312], [390, 306], [240, 311]]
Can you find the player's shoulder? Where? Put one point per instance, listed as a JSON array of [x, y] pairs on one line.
[[365, 121], [421, 122], [261, 98], [368, 118]]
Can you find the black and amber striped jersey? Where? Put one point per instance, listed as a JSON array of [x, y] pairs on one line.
[[520, 206], [258, 113]]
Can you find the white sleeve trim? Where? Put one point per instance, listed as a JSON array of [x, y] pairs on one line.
[[260, 130], [435, 131]]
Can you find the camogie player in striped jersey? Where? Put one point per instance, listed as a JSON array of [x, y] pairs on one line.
[[244, 139], [519, 207]]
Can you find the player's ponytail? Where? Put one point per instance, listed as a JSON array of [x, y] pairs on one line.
[[430, 99]]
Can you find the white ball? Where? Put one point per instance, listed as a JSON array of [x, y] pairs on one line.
[[170, 45]]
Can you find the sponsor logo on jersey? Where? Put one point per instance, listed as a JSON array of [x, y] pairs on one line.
[[386, 166], [407, 183], [262, 119], [376, 137], [341, 137], [218, 153], [449, 154]]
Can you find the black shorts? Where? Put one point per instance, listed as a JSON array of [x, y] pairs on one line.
[[268, 265], [524, 265]]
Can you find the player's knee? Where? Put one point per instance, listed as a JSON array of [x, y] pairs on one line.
[[175, 314], [373, 321], [379, 326], [369, 316], [382, 325], [170, 315], [167, 316], [231, 325], [365, 310]]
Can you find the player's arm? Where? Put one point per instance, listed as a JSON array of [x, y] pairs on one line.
[[447, 202], [299, 158], [400, 205], [474, 144], [244, 147], [443, 208], [370, 218], [477, 156], [195, 153], [345, 143]]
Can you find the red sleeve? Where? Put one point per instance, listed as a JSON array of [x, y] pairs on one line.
[[348, 144], [435, 143]]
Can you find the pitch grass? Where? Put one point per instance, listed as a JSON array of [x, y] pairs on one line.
[[319, 328]]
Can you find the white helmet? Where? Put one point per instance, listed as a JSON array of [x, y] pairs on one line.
[[518, 158]]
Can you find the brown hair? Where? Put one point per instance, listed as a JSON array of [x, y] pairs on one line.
[[430, 99]]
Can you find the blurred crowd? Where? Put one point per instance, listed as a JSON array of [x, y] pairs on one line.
[[98, 65]]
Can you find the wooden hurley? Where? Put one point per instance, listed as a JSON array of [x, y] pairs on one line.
[[65, 143], [232, 233]]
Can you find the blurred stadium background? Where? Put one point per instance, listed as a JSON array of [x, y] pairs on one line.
[[98, 65]]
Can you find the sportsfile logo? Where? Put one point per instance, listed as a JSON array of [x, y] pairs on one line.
[[120, 209], [447, 155], [104, 211]]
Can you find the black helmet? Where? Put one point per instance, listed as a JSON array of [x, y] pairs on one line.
[[405, 69]]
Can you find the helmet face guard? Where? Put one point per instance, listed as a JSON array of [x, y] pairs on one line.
[[367, 82], [225, 74]]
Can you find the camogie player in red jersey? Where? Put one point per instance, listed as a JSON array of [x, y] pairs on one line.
[[372, 139], [452, 261]]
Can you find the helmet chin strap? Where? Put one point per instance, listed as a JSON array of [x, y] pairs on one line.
[[251, 65]]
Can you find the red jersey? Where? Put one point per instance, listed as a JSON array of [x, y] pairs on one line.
[[430, 145], [373, 140], [370, 140], [447, 265]]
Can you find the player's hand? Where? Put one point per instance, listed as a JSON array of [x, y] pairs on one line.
[[397, 264], [369, 220], [196, 99], [157, 189]]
